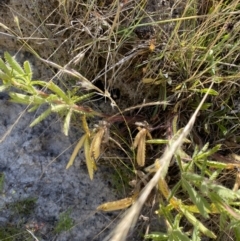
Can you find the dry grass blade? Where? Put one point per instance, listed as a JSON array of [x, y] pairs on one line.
[[130, 218], [83, 81], [75, 151], [156, 103]]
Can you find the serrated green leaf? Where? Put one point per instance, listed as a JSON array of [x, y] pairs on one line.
[[195, 234], [66, 124], [5, 69], [5, 72], [223, 206], [204, 148], [56, 89], [236, 230], [195, 152], [215, 174], [157, 236], [26, 99], [37, 100], [182, 154], [196, 198], [83, 97], [19, 98], [157, 141], [5, 77], [223, 192], [28, 70], [3, 88], [215, 164], [35, 107], [179, 235], [235, 203], [211, 92], [192, 177], [39, 82], [223, 221], [52, 98], [43, 116], [214, 149], [177, 220], [196, 223], [208, 153], [13, 63], [60, 107]]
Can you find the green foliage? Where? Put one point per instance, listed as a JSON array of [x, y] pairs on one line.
[[177, 66], [20, 210], [11, 233], [1, 182], [24, 207], [205, 195], [200, 202], [24, 90], [157, 236], [64, 223], [120, 179]]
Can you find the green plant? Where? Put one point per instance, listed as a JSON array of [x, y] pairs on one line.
[[195, 56], [1, 182], [23, 207], [21, 211], [64, 223], [198, 55], [11, 233], [36, 92]]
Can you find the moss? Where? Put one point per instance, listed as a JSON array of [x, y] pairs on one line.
[[1, 182], [64, 223], [20, 209], [24, 207], [12, 233]]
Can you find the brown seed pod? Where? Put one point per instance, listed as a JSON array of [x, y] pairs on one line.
[[116, 205], [141, 148], [96, 144], [119, 204], [140, 142], [91, 166], [100, 137]]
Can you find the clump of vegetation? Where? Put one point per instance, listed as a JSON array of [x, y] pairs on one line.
[[11, 233], [20, 211], [1, 182], [166, 70], [64, 223], [23, 207]]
